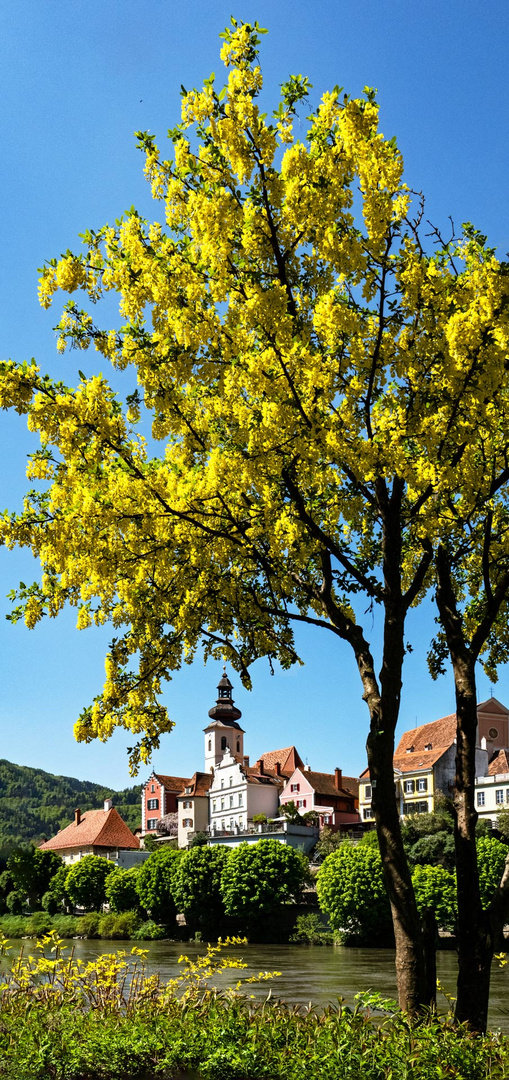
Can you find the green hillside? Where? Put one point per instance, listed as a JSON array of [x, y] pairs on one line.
[[34, 804]]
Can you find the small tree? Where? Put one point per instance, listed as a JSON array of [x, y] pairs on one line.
[[435, 890], [328, 842], [491, 859], [31, 871], [154, 883], [259, 877], [121, 890], [351, 891], [86, 881], [197, 887]]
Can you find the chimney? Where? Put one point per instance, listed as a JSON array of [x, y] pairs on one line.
[[246, 762], [108, 803], [77, 816], [337, 778], [277, 768], [261, 769]]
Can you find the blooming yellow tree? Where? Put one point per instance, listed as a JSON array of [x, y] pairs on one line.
[[311, 372]]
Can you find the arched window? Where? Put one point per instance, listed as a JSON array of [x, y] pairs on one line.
[[210, 745], [238, 746], [223, 742]]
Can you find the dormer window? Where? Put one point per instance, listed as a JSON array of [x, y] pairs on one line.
[[428, 746], [188, 790], [410, 749]]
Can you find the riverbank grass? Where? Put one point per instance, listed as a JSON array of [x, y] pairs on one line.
[[64, 1019]]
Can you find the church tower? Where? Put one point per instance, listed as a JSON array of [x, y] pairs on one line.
[[224, 732]]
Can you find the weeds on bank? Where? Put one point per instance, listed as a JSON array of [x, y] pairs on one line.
[[64, 1019]]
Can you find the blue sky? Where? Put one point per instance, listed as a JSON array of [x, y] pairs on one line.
[[77, 79]]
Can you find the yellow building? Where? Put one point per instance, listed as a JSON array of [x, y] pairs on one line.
[[424, 759]]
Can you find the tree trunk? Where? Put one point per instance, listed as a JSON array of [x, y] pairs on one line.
[[475, 941]]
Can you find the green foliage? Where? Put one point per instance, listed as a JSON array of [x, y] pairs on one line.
[[327, 842], [197, 887], [107, 1032], [15, 902], [121, 890], [13, 926], [491, 856], [351, 892], [503, 824], [122, 926], [310, 930], [31, 871], [435, 888], [86, 881], [38, 924], [66, 926], [149, 931], [434, 850], [259, 877], [200, 839], [34, 804], [290, 812], [57, 885], [88, 925], [49, 903], [260, 819], [154, 883]]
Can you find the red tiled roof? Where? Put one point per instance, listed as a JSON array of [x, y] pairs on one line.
[[288, 759], [499, 764], [254, 776], [199, 784], [323, 783], [351, 783], [172, 783], [97, 828], [440, 733]]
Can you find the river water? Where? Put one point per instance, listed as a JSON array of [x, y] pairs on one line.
[[317, 974]]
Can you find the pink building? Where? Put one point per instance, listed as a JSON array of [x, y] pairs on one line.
[[158, 798], [330, 795]]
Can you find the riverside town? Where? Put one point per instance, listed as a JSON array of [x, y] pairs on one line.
[[255, 546]]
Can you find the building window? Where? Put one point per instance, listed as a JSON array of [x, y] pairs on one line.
[[301, 802], [222, 782], [210, 745], [188, 790], [238, 746], [422, 784], [214, 804], [187, 804], [231, 781], [222, 824], [480, 798], [507, 795], [409, 787], [231, 823], [187, 823], [231, 800], [153, 804], [223, 742], [415, 807], [294, 787], [367, 791], [222, 804], [240, 797], [152, 823], [152, 788], [368, 814], [499, 795]]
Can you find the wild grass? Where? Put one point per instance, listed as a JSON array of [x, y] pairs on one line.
[[62, 1019]]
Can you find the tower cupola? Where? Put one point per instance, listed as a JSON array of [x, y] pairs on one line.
[[224, 709], [223, 732]]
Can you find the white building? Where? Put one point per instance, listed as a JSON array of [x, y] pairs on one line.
[[492, 790]]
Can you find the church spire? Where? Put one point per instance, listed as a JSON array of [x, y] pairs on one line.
[[224, 709]]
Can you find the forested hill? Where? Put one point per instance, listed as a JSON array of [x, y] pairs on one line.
[[34, 804]]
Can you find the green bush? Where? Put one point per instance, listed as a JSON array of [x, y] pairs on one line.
[[310, 930], [435, 888], [258, 878], [85, 882], [13, 926], [351, 892], [38, 924], [121, 890], [154, 884], [149, 931], [15, 902], [88, 925], [50, 904], [196, 887], [491, 856], [66, 926], [122, 926]]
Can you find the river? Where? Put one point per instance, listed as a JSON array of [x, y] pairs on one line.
[[310, 973]]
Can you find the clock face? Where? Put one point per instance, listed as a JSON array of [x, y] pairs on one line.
[[493, 732]]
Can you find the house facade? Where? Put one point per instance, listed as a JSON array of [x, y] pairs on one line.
[[193, 808], [424, 760], [97, 832], [332, 798], [159, 797], [492, 790]]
